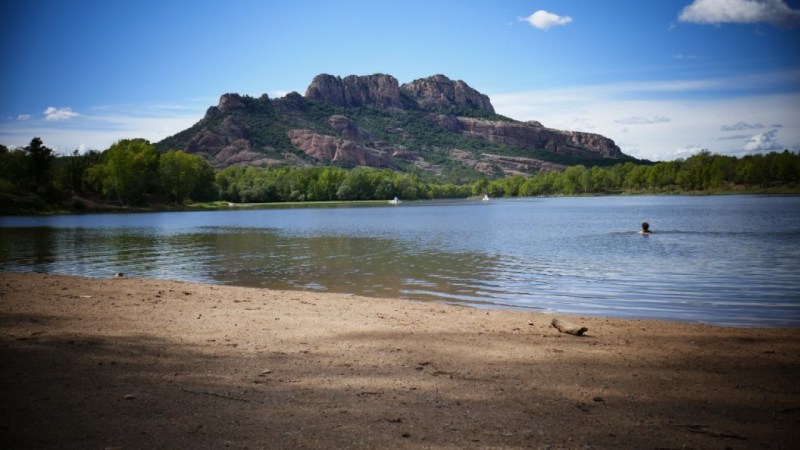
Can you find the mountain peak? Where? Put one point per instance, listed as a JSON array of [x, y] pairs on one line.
[[439, 92], [436, 93], [353, 90]]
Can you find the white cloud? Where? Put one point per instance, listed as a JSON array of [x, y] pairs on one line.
[[643, 120], [24, 117], [764, 142], [52, 113], [774, 12], [741, 126], [544, 20]]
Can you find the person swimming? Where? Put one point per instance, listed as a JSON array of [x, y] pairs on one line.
[[645, 228]]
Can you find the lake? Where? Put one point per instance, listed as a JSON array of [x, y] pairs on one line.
[[725, 260]]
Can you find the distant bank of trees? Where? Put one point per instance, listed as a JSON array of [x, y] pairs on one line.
[[133, 172], [703, 172], [130, 172], [251, 184]]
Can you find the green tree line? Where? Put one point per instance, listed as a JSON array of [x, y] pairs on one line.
[[133, 172], [251, 184], [703, 172], [129, 173]]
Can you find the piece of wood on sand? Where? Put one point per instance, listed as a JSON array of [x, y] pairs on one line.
[[569, 328]]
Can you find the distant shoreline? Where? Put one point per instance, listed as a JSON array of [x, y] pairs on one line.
[[91, 207]]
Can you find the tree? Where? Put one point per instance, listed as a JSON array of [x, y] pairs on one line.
[[128, 172], [480, 187], [695, 172], [327, 183], [784, 167], [663, 175], [636, 178], [184, 176], [573, 180], [600, 179], [70, 171], [205, 188], [14, 167], [40, 163], [356, 186], [409, 187]]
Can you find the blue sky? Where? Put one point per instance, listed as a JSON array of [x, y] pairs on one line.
[[664, 78]]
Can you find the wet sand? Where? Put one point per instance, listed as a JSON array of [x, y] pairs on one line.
[[140, 363]]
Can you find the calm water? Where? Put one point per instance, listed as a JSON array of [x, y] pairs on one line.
[[732, 260]]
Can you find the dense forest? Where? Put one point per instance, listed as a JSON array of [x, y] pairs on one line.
[[134, 174]]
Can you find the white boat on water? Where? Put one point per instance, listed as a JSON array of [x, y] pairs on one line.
[[486, 197], [394, 201]]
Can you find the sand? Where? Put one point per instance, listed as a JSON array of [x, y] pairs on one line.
[[139, 363]]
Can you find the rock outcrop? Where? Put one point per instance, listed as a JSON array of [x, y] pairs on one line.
[[442, 94], [348, 130], [437, 93], [230, 102], [332, 149], [371, 90], [489, 164], [226, 144], [532, 135]]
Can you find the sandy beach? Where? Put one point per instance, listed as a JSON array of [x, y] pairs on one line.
[[140, 363]]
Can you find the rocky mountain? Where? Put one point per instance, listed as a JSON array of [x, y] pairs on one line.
[[431, 126]]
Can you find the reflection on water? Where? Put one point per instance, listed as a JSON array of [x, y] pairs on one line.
[[724, 260]]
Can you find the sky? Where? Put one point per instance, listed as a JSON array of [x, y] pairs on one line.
[[664, 79]]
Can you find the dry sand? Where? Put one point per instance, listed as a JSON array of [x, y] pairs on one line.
[[139, 363]]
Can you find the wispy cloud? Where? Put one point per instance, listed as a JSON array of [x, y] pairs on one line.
[[681, 56], [736, 137], [741, 126], [773, 12], [24, 117], [52, 113], [544, 20], [643, 120]]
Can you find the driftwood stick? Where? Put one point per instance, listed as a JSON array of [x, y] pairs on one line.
[[214, 394], [703, 429], [569, 328]]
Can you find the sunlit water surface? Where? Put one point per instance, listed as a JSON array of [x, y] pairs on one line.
[[728, 260]]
